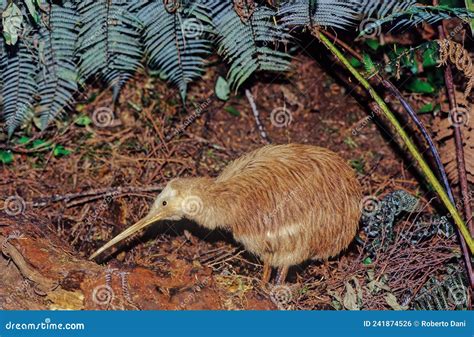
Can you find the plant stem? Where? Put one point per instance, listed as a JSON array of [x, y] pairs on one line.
[[406, 139]]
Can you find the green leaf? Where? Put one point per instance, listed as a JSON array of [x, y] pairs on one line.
[[12, 20], [83, 120], [368, 64], [429, 107], [373, 44], [32, 9], [436, 77], [222, 89], [232, 110], [6, 157], [60, 151], [420, 86], [430, 58], [23, 140], [367, 261], [39, 143], [355, 62], [358, 165]]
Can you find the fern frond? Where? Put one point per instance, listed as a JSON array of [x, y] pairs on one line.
[[18, 70], [429, 14], [58, 75], [417, 14], [109, 41], [334, 13], [176, 42], [380, 8], [247, 46]]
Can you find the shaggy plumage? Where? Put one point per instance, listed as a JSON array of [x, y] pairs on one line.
[[284, 203]]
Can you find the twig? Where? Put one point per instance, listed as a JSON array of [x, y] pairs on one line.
[[256, 114]]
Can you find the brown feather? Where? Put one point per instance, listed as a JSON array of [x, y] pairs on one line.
[[284, 203]]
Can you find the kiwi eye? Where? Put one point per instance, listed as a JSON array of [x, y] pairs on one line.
[[165, 203]]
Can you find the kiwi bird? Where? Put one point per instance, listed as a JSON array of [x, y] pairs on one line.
[[284, 203]]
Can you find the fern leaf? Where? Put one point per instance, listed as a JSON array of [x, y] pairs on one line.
[[381, 8], [109, 41], [247, 46], [18, 70], [334, 13], [176, 42], [428, 14], [58, 76], [415, 15]]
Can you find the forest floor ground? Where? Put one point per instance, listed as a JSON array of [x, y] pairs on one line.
[[148, 141]]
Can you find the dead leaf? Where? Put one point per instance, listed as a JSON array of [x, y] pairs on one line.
[[393, 303]]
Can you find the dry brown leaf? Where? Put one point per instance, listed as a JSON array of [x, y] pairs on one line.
[[444, 135], [459, 57]]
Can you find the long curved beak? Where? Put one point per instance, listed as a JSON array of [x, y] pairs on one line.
[[146, 221]]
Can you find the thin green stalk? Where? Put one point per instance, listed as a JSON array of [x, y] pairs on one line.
[[407, 140]]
